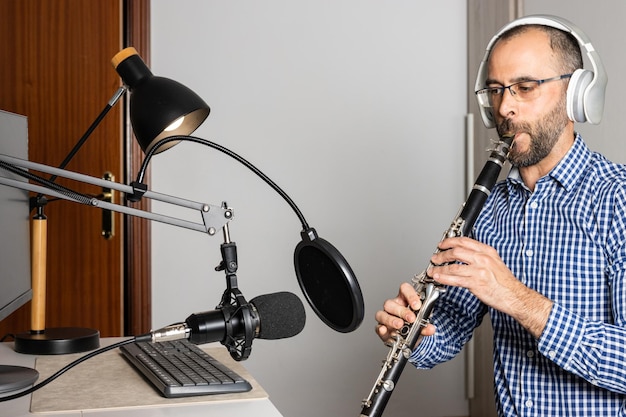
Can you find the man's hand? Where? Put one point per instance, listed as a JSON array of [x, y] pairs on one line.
[[398, 310], [467, 263]]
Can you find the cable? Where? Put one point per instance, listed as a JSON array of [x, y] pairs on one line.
[[73, 364], [233, 155], [79, 198]]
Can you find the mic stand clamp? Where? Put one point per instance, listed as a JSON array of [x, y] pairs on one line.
[[234, 305]]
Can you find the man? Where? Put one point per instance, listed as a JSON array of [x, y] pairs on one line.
[[547, 257]]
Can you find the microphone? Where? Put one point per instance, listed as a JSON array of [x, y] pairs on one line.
[[270, 316]]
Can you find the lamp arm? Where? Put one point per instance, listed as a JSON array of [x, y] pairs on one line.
[[116, 96], [38, 201], [214, 217], [235, 156]]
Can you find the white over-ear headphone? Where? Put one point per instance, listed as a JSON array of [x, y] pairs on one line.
[[585, 92]]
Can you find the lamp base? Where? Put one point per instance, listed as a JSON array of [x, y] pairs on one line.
[[58, 341]]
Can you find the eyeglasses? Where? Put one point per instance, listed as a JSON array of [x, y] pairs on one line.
[[522, 91]]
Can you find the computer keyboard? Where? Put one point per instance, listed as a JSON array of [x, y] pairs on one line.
[[181, 369]]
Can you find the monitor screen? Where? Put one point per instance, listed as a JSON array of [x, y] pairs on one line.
[[15, 277]]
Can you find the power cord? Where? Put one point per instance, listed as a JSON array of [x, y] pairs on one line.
[[146, 337]]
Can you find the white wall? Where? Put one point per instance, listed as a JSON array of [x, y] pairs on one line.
[[603, 23], [356, 109]]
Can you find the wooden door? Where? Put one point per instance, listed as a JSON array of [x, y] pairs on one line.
[[56, 70]]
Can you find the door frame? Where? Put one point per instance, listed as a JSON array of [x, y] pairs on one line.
[[137, 236]]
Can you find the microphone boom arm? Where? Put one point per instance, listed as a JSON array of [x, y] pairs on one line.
[[214, 217]]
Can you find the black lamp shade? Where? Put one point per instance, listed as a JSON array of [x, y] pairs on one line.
[[156, 103]]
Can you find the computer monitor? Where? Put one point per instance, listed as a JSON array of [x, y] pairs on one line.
[[15, 283], [15, 274]]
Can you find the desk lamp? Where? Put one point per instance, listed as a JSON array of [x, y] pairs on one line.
[[159, 107]]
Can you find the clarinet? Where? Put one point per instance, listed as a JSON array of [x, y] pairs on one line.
[[429, 291]]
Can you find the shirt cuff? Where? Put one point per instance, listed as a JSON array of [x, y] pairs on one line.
[[562, 336], [422, 357]]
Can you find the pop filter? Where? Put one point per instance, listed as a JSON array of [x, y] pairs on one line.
[[328, 283]]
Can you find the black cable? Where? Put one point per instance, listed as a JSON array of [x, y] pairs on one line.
[[7, 336], [233, 155], [73, 364]]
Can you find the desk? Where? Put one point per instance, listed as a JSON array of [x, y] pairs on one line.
[[233, 404]]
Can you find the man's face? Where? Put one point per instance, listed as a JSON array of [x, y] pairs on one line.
[[537, 123]]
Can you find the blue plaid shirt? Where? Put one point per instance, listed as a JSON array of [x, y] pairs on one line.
[[566, 240]]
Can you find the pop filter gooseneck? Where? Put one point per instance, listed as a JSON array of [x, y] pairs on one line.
[[324, 275]]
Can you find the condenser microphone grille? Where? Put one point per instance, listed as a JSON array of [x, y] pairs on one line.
[[281, 315]]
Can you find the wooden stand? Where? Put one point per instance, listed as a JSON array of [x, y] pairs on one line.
[[54, 341]]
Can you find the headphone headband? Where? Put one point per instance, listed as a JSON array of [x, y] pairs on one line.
[[585, 95]]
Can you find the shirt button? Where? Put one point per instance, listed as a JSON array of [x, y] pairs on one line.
[[534, 205], [529, 403], [529, 252], [530, 354], [552, 354]]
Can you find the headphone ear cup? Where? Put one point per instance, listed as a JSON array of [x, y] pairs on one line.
[[576, 89], [487, 116], [486, 113]]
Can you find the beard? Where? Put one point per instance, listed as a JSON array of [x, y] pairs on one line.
[[543, 135]]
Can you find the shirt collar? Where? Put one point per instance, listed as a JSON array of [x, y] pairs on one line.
[[568, 170]]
